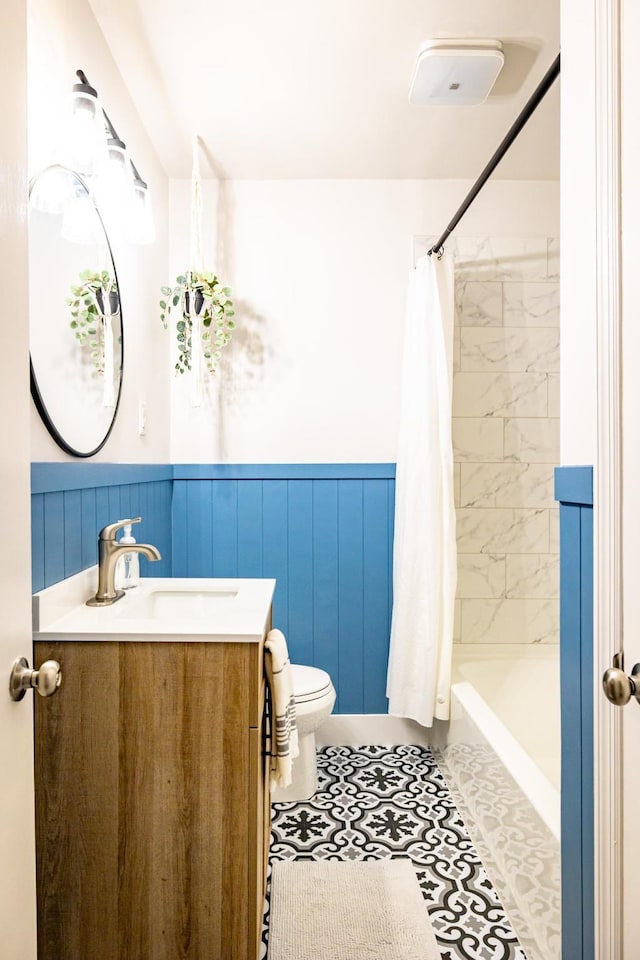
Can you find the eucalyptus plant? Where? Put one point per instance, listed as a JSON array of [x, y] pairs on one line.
[[199, 294], [87, 309]]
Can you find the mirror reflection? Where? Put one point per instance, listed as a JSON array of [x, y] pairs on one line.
[[75, 316]]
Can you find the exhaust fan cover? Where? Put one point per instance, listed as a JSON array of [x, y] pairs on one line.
[[455, 72]]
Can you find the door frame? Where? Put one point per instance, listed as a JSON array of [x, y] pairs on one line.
[[607, 483]]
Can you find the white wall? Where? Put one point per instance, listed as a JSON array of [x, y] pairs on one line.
[[578, 237], [62, 37], [319, 272]]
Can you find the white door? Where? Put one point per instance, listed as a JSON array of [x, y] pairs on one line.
[[617, 785], [630, 715], [17, 840]]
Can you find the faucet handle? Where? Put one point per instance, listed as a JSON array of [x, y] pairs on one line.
[[109, 532]]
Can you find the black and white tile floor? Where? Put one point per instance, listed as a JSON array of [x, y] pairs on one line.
[[377, 802]]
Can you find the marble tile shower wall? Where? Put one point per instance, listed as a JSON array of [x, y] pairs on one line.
[[506, 439]]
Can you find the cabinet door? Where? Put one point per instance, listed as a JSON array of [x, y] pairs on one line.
[[142, 786]]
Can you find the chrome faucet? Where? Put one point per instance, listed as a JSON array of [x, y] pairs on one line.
[[109, 552]]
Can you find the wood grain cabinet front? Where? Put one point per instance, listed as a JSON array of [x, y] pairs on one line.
[[152, 802]]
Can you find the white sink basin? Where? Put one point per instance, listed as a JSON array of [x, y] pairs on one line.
[[186, 604], [161, 608]]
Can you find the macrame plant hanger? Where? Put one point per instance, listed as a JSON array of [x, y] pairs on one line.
[[196, 266], [107, 310]]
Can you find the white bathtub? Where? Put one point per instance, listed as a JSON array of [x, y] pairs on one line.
[[513, 696], [501, 756]]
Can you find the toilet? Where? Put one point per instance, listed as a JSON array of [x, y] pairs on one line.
[[315, 696]]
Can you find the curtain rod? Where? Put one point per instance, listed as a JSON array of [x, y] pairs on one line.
[[523, 117]]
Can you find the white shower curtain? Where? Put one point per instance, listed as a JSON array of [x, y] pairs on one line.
[[424, 549]]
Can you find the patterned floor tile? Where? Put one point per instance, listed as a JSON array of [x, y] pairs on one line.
[[519, 851], [383, 802]]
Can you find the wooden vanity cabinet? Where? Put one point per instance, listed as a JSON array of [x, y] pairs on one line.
[[152, 801]]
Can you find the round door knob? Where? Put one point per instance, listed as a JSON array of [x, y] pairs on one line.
[[618, 687], [46, 680]]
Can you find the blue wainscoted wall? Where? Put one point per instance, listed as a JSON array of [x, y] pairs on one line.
[[70, 502], [574, 491], [325, 532]]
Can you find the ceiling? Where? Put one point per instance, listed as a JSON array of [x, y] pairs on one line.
[[299, 89]]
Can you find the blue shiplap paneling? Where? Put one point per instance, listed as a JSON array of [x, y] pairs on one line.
[[324, 535], [37, 542], [73, 532], [350, 596], [89, 524], [376, 580], [323, 531], [103, 512], [574, 485], [53, 537], [300, 566], [250, 528], [65, 520], [275, 550], [58, 477], [224, 514], [586, 725], [284, 471], [326, 650], [574, 489], [179, 533], [200, 534]]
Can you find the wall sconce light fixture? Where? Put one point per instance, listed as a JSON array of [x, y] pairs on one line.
[[95, 151]]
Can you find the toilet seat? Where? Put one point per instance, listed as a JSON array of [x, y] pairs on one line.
[[309, 683]]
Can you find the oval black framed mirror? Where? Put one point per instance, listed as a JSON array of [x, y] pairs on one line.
[[76, 332]]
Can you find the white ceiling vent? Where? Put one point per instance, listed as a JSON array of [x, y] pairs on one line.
[[455, 72]]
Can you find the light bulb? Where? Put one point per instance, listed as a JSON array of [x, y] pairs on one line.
[[84, 141], [114, 188]]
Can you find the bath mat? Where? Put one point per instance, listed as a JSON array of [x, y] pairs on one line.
[[348, 910]]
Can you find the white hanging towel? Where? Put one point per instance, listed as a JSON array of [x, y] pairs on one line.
[[284, 733], [424, 548]]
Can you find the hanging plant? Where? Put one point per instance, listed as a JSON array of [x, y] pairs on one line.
[[93, 302], [199, 297]]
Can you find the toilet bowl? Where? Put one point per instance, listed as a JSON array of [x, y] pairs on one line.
[[315, 696]]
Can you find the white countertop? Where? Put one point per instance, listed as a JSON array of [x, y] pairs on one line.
[[223, 610]]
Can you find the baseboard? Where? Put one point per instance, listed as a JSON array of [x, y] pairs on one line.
[[360, 729]]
